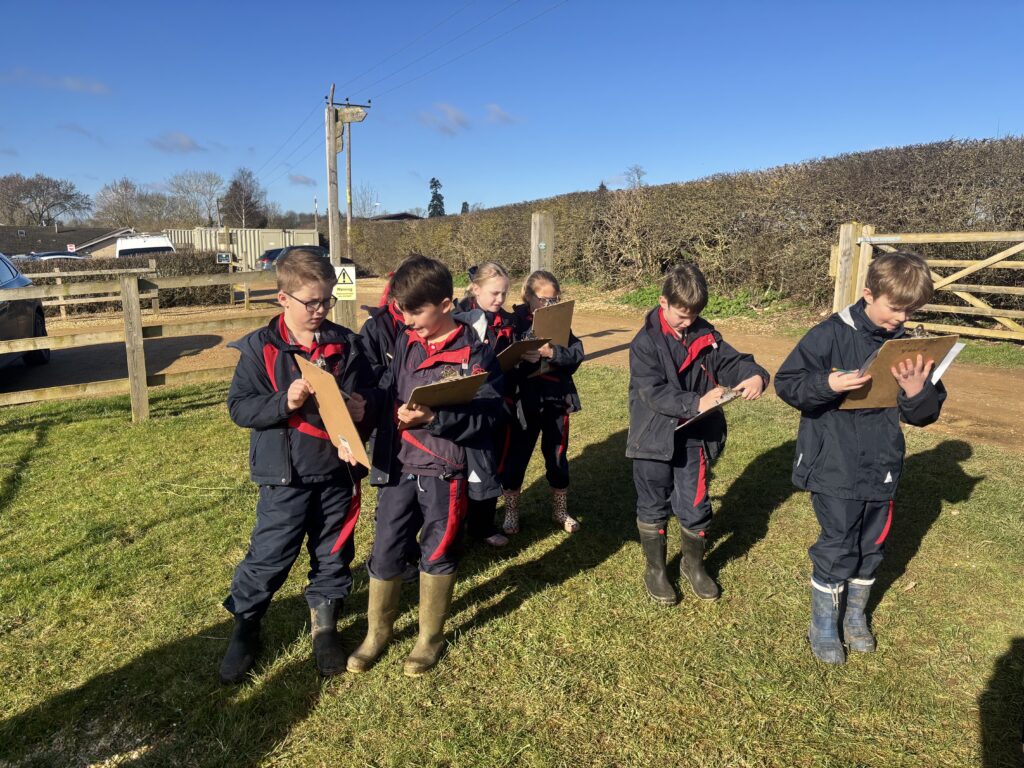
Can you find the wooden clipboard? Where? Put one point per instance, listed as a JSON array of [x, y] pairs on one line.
[[452, 392], [331, 403], [512, 354], [727, 397], [554, 322], [883, 389]]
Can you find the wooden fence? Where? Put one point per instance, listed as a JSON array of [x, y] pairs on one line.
[[129, 288], [852, 255]]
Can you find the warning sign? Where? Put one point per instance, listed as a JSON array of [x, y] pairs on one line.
[[345, 288]]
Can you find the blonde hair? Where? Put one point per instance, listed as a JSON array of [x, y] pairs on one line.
[[901, 276], [481, 273], [301, 267], [541, 275]]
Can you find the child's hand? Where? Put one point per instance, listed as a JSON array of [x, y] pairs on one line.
[[346, 455], [709, 400], [533, 356], [298, 393], [546, 351], [356, 406], [414, 416], [842, 381], [912, 376], [751, 388]]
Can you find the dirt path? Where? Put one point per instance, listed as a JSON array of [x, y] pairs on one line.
[[976, 409]]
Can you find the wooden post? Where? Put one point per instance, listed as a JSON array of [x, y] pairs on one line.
[[245, 295], [156, 293], [134, 350], [863, 262], [845, 269], [231, 287], [63, 307], [542, 241]]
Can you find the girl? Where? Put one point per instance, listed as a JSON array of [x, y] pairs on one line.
[[482, 308], [544, 404]]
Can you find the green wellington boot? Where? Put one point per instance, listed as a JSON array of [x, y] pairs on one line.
[[381, 612], [435, 600], [692, 566]]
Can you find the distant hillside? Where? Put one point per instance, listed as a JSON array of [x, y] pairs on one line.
[[761, 230]]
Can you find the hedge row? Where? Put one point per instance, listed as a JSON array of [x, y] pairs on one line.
[[757, 231]]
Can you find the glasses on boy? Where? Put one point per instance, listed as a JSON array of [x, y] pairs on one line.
[[316, 304]]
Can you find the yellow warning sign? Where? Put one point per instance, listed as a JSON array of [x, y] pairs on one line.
[[345, 288]]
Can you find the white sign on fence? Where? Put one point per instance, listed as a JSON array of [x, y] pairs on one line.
[[345, 288]]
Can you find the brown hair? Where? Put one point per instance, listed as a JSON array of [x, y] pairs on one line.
[[902, 277], [302, 267], [541, 275], [481, 273], [419, 281], [686, 287]]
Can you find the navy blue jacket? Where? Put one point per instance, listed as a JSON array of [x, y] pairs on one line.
[[854, 454], [668, 376], [555, 388], [379, 332], [291, 448]]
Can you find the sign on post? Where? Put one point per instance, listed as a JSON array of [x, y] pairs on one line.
[[71, 247], [345, 288]]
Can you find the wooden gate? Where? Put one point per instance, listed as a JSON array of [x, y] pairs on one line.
[[858, 242]]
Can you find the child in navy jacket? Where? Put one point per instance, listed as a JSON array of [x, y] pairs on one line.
[[851, 460]]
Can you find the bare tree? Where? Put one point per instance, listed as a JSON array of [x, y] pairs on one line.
[[635, 176], [39, 200], [195, 194], [118, 204], [365, 201], [245, 202]]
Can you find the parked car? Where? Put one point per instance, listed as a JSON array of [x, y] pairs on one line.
[[314, 248], [143, 245], [20, 318], [53, 255], [267, 258]]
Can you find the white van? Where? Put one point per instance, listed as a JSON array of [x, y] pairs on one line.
[[143, 245]]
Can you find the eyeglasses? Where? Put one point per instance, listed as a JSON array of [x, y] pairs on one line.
[[316, 304], [548, 302]]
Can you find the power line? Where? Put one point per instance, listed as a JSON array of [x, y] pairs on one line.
[[408, 45], [294, 165], [443, 45], [285, 143], [473, 50], [304, 142]]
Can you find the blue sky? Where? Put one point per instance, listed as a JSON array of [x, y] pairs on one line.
[[544, 96]]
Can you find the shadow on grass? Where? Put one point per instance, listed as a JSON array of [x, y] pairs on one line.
[[166, 707], [929, 479], [1001, 711]]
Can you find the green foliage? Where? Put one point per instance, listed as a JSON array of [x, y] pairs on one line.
[[435, 207], [740, 304], [118, 541]]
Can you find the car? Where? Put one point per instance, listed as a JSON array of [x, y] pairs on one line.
[[53, 255], [314, 248], [267, 258], [143, 245], [20, 318]]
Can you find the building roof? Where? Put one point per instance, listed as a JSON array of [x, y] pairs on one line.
[[404, 216], [18, 240]]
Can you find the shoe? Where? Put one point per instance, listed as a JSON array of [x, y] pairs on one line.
[[242, 650], [856, 632], [824, 631], [496, 540], [327, 650], [511, 524], [435, 601], [692, 566], [381, 612], [653, 542], [560, 510]]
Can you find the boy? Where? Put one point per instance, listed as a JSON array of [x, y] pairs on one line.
[[306, 488], [851, 460], [428, 462], [678, 365]]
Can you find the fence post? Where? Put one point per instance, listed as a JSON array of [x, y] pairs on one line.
[[542, 241], [63, 307], [845, 271], [134, 350], [867, 251], [156, 293]]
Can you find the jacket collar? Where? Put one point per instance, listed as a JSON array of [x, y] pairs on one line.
[[856, 317]]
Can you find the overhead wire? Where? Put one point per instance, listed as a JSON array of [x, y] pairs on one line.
[[290, 137]]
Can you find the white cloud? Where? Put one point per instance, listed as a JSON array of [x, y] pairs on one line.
[[176, 142], [81, 130], [496, 114], [446, 118], [74, 83], [299, 180]]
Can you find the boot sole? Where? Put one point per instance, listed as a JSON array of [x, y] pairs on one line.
[[662, 600], [701, 597]]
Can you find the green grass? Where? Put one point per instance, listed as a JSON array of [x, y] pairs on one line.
[[998, 354], [117, 543], [740, 304]]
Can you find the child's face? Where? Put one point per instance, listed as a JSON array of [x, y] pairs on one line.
[[297, 315], [678, 318], [543, 295], [881, 312], [490, 295], [430, 320]]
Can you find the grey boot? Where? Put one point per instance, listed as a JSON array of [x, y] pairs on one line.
[[692, 566], [824, 631], [654, 545], [381, 612], [435, 600], [242, 650], [327, 650], [856, 632]]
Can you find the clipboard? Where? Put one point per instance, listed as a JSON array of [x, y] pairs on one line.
[[883, 389], [512, 354], [330, 402], [554, 322], [727, 397], [452, 392]]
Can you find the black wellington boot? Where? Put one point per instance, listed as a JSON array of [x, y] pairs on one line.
[[327, 650], [242, 650], [692, 566], [653, 543]]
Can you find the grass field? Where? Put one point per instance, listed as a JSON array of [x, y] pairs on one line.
[[117, 543]]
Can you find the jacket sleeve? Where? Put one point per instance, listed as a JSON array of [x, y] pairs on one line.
[[360, 377], [732, 367], [923, 408], [568, 358], [252, 401], [802, 380], [477, 418], [647, 380], [373, 348]]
